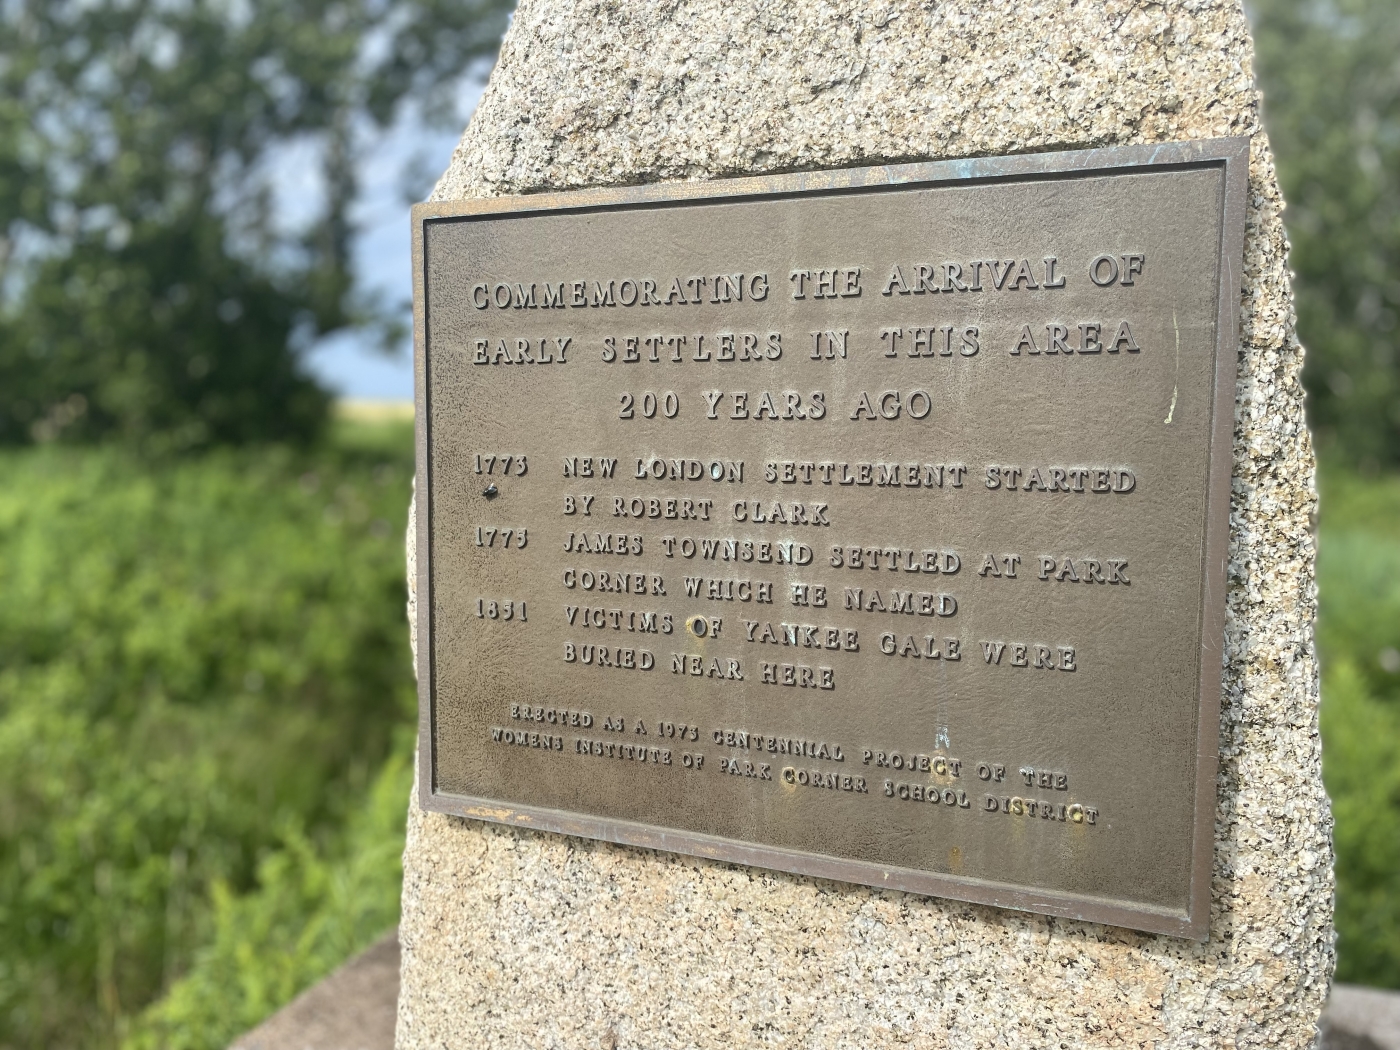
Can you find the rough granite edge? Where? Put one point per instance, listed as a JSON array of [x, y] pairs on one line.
[[512, 938]]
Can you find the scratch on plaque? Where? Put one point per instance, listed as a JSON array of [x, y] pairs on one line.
[[490, 813], [941, 740], [1171, 411]]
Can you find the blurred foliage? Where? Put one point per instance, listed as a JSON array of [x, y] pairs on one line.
[[203, 663], [1330, 71], [1359, 638], [310, 912], [149, 287]]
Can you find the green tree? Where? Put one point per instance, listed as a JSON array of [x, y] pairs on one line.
[[1330, 71], [147, 288]]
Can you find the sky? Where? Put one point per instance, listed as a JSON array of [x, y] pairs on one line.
[[348, 364]]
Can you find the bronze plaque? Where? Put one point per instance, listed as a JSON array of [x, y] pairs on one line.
[[869, 524]]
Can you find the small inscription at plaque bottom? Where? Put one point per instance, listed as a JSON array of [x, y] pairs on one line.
[[866, 524]]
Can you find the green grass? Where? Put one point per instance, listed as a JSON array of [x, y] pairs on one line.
[[1359, 640], [205, 690]]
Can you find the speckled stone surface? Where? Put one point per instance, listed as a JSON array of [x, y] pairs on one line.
[[517, 939]]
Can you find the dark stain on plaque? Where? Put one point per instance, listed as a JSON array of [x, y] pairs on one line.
[[867, 524]]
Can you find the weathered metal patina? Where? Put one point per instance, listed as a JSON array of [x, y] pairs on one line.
[[869, 524]]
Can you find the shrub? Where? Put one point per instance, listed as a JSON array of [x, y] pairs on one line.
[[202, 663], [1359, 636], [311, 910]]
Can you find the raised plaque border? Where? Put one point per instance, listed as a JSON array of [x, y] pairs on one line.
[[1231, 154]]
